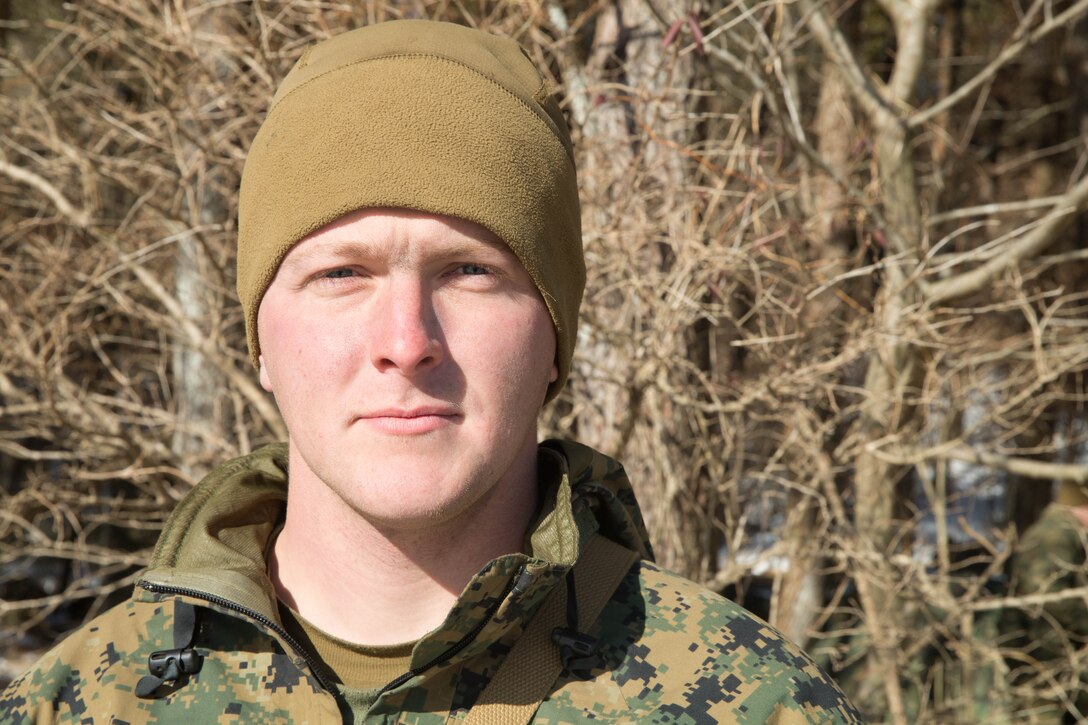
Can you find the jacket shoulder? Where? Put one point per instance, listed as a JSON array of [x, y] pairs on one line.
[[674, 651], [245, 675], [1056, 533], [70, 682]]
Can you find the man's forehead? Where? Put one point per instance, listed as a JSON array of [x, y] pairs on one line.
[[400, 232]]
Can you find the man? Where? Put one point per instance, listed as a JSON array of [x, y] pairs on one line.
[[1049, 639], [410, 266]]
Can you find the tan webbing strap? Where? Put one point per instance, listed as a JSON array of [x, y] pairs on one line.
[[533, 665]]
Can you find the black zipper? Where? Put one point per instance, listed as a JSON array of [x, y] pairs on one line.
[[256, 616], [461, 643], [310, 662]]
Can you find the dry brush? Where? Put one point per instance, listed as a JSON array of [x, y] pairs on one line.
[[835, 299]]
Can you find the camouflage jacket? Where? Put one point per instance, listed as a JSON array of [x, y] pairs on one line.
[[1051, 558], [1052, 638], [669, 651]]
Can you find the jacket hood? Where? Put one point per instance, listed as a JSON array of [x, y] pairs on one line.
[[215, 540], [214, 546], [590, 479]]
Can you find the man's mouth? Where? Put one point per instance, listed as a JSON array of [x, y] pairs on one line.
[[410, 421]]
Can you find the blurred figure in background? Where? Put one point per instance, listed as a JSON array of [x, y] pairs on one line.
[[1051, 636]]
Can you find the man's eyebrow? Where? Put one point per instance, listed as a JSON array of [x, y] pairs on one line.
[[354, 249], [469, 248], [303, 255]]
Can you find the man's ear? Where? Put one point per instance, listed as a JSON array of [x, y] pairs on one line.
[[551, 378], [266, 382]]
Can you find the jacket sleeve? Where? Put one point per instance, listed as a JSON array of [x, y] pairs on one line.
[[89, 673], [39, 696]]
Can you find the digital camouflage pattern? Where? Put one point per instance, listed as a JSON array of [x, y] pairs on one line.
[[669, 650], [1051, 558]]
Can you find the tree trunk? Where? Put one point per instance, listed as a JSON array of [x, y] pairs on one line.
[[797, 599], [198, 384], [636, 120]]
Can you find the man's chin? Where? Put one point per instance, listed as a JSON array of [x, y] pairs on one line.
[[413, 501]]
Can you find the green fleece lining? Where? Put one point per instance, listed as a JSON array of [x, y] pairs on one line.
[[556, 537]]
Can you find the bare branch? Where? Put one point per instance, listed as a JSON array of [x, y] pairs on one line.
[[77, 216], [1027, 467], [1057, 22], [199, 341], [869, 92], [1005, 207], [912, 20], [1062, 214], [1025, 601]]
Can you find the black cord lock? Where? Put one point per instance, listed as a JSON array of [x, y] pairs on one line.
[[172, 665], [577, 651]]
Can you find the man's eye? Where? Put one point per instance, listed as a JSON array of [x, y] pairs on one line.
[[338, 273], [474, 269]]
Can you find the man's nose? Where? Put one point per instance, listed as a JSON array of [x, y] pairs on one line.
[[407, 332]]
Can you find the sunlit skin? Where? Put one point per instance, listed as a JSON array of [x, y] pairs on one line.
[[409, 355]]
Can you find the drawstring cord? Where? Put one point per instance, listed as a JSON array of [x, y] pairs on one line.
[[577, 650]]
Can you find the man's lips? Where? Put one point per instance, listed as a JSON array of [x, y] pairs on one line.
[[410, 421]]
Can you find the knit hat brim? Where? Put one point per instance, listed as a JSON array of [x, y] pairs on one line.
[[1071, 493], [419, 131]]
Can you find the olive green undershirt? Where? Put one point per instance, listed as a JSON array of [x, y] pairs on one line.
[[358, 666]]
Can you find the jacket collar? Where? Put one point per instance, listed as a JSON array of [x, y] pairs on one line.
[[215, 542]]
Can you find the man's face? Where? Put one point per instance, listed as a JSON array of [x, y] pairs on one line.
[[409, 355]]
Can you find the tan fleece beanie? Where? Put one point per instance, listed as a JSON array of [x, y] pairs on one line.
[[419, 115], [1071, 493]]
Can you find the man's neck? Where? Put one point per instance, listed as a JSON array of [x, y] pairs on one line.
[[1081, 514], [376, 585]]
